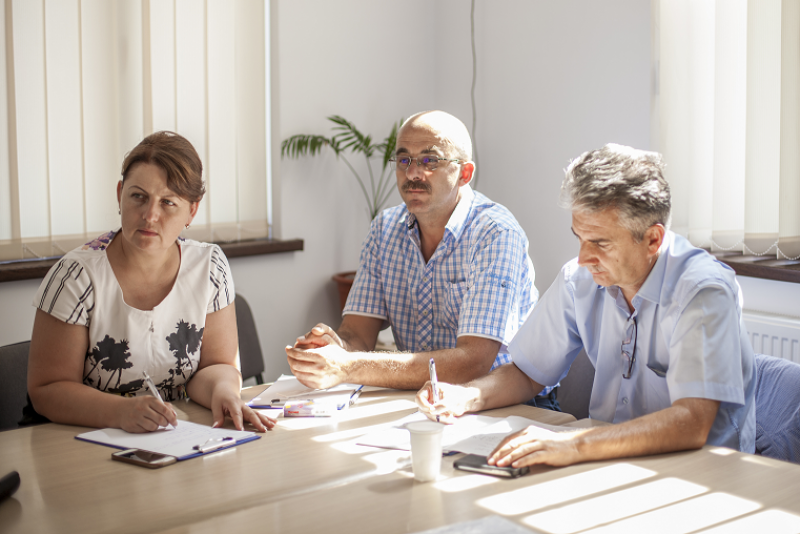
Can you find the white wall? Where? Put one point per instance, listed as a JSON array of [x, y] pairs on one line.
[[555, 79]]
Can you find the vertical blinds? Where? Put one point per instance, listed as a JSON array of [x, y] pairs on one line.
[[83, 81], [729, 97]]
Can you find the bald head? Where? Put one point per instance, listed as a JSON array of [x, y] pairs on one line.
[[448, 129]]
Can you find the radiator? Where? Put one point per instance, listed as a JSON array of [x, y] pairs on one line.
[[776, 335]]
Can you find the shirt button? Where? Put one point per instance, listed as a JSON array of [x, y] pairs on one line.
[[424, 313], [425, 279], [424, 345], [624, 400]]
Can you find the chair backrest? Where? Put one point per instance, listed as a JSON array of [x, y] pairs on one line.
[[13, 383], [576, 388], [251, 357], [777, 408]]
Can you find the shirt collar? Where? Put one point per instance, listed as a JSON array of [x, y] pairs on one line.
[[654, 283], [458, 219], [651, 289]]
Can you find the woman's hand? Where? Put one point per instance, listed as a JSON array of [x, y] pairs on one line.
[[226, 403], [145, 414]]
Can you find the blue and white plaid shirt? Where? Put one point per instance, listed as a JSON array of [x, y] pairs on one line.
[[479, 281]]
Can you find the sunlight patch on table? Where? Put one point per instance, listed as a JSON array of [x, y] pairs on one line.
[[350, 447], [371, 410], [352, 433], [464, 483], [303, 423], [388, 461], [753, 459], [772, 521], [685, 517], [615, 506], [565, 489], [722, 451]]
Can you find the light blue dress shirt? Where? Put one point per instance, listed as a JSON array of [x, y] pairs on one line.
[[691, 341], [479, 281]]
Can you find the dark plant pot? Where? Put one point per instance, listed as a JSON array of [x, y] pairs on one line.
[[344, 282]]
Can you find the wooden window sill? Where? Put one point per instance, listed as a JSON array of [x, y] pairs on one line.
[[766, 267], [33, 269]]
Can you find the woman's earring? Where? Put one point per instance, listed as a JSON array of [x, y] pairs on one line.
[[119, 211], [187, 226]]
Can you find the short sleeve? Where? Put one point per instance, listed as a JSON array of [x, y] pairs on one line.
[[221, 279], [366, 296], [548, 341], [705, 349], [491, 304], [67, 293]]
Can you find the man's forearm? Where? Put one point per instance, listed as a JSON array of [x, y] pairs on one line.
[[406, 370], [682, 426], [505, 386], [471, 358]]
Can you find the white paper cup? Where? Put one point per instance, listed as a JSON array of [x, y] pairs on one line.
[[426, 449]]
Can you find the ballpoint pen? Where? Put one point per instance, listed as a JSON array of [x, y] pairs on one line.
[[214, 444], [434, 383], [152, 387], [355, 395]]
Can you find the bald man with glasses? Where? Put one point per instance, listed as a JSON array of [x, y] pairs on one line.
[[448, 270]]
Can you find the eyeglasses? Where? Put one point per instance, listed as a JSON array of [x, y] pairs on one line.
[[631, 333], [429, 162]]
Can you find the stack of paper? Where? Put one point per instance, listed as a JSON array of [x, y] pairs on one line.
[[287, 388]]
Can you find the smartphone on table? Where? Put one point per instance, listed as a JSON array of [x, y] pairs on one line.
[[477, 464], [152, 460]]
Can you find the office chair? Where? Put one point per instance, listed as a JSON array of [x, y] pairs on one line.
[[13, 383], [576, 389], [250, 356], [777, 408]]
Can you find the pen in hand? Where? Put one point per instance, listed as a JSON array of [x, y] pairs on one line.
[[434, 383], [152, 387]]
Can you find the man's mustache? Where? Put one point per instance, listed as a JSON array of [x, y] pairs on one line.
[[416, 186]]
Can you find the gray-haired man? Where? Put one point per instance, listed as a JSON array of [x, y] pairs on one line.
[[659, 319]]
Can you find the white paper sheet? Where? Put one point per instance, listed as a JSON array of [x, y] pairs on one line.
[[287, 387], [472, 434]]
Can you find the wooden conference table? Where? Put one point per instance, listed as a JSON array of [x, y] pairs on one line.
[[307, 475]]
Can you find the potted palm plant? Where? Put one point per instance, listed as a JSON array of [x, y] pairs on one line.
[[347, 139]]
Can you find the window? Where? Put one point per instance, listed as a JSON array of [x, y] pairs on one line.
[[82, 82], [728, 107]]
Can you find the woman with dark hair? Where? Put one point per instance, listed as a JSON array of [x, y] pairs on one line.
[[141, 300]]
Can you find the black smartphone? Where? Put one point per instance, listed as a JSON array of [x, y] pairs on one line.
[[477, 464], [152, 460]]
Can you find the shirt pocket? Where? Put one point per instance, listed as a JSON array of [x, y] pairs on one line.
[[453, 301], [657, 369], [656, 390]]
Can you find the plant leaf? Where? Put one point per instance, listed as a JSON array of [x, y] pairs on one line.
[[350, 137], [390, 143], [300, 145]]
